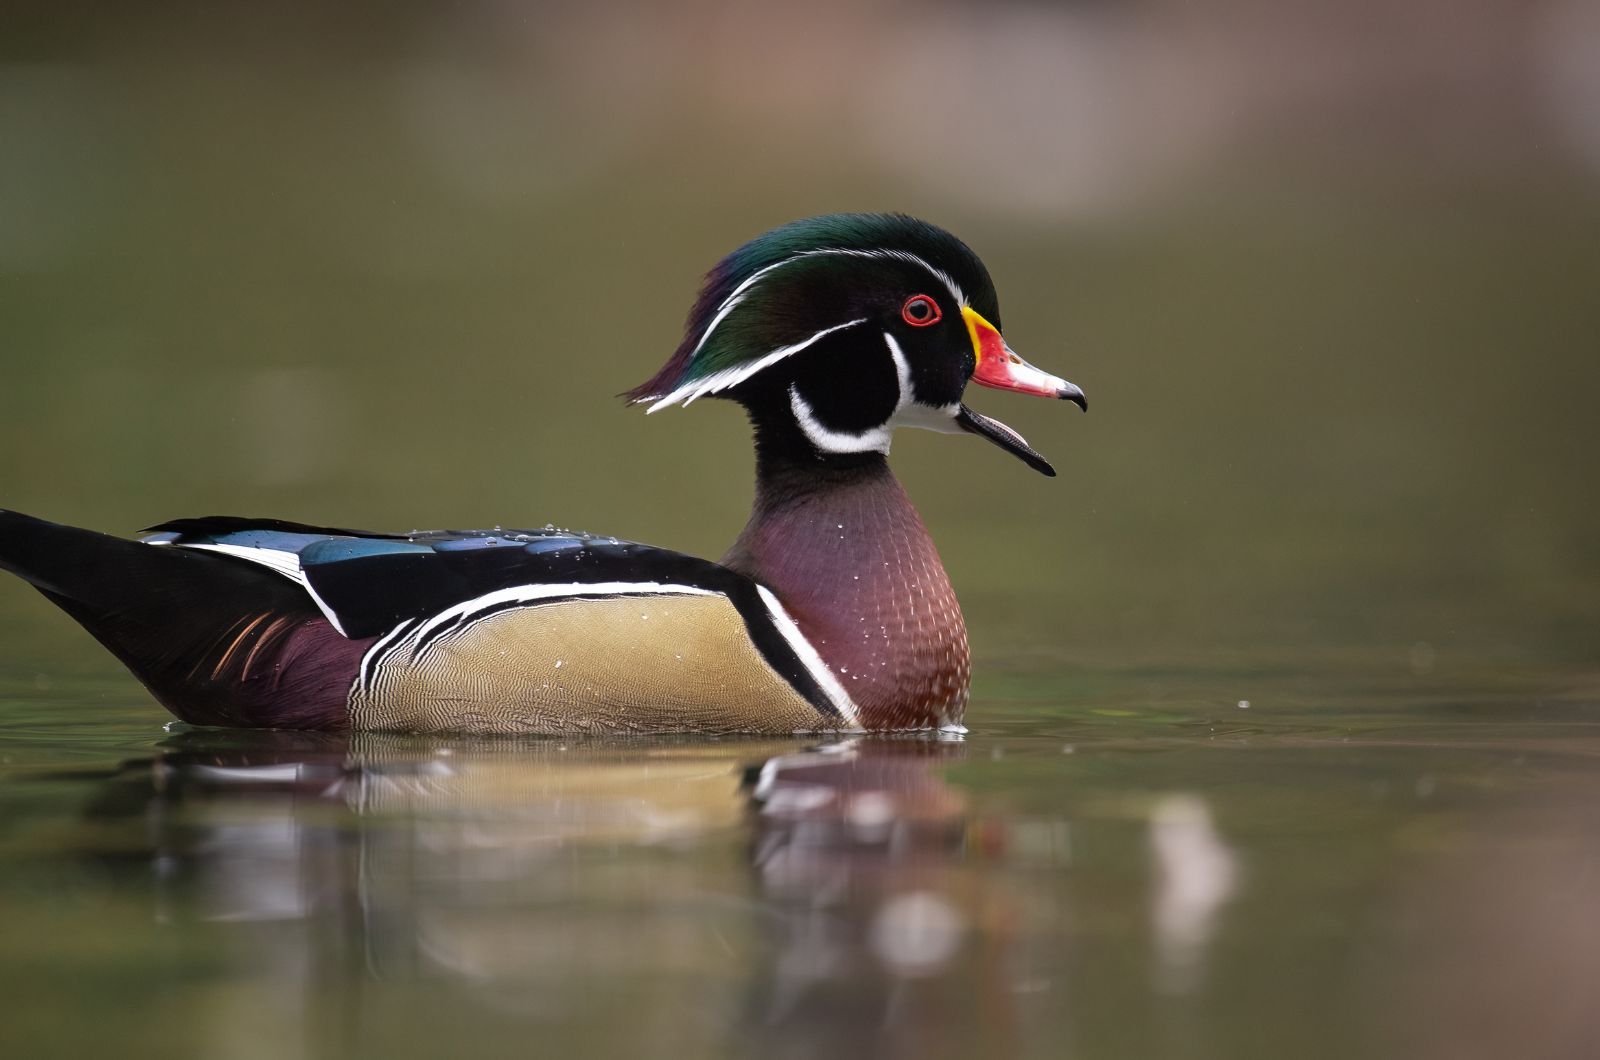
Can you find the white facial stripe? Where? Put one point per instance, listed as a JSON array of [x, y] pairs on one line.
[[902, 371], [898, 255], [730, 377], [737, 296], [733, 300]]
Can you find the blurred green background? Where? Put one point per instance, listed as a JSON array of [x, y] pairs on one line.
[[1327, 273]]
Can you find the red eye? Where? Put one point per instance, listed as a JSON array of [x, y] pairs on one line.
[[920, 311]]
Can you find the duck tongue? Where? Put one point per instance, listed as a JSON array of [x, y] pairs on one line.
[[1003, 436]]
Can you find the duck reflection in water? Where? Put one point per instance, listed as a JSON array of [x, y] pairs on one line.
[[860, 850], [840, 895], [522, 875]]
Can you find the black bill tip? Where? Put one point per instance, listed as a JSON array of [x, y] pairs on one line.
[[1068, 392], [1006, 438]]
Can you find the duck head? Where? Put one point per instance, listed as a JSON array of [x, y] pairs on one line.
[[833, 331]]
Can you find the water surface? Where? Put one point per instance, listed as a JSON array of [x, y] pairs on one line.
[[1352, 864]]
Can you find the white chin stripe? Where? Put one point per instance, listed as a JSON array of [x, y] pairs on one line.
[[907, 413], [875, 439]]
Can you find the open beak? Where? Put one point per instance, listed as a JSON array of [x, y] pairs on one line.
[[999, 367]]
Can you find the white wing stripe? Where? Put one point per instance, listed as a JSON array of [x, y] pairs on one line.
[[284, 563]]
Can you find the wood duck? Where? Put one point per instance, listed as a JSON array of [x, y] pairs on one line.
[[831, 611]]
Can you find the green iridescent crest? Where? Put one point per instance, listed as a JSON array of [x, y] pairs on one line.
[[789, 287]]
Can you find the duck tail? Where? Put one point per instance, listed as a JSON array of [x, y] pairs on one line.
[[65, 561], [148, 605], [169, 614], [108, 582]]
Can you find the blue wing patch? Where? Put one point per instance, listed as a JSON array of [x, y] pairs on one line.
[[338, 549]]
